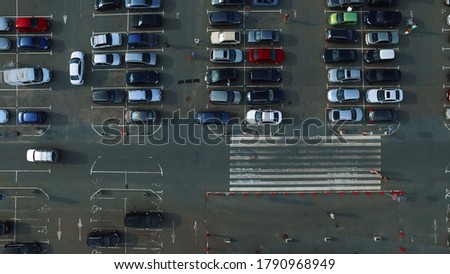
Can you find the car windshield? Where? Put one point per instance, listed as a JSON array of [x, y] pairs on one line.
[[340, 94], [340, 17], [258, 116], [146, 58], [380, 95], [340, 74], [109, 58], [38, 75]]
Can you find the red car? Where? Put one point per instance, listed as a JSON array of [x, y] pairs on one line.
[[32, 24], [266, 55]]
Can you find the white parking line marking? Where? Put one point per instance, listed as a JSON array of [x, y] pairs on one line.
[[94, 14]]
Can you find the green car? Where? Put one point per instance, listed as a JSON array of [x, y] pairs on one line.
[[343, 19]]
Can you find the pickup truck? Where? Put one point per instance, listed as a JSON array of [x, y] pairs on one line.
[[26, 76], [221, 3]]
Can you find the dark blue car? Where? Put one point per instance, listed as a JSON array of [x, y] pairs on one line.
[[142, 40], [30, 43], [31, 117], [211, 117], [265, 3]]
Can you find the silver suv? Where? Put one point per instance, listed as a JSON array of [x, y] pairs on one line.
[[152, 95]]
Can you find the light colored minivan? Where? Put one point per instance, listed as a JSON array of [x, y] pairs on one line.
[[42, 155], [141, 58]]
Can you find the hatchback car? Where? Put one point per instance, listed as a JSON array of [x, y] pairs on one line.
[[382, 95], [383, 18], [33, 43], [263, 117], [31, 117], [382, 115], [211, 117], [225, 37], [224, 97], [382, 38], [226, 56], [378, 55], [142, 4], [96, 239], [259, 55], [382, 3], [142, 21], [343, 19], [141, 58], [383, 75], [339, 55], [32, 24], [214, 76], [5, 227], [264, 96], [142, 77], [5, 43], [343, 95], [4, 24], [263, 36], [111, 96], [344, 75], [106, 40], [335, 4], [4, 116], [342, 35], [137, 40], [102, 5], [224, 18], [106, 59], [76, 68], [264, 3], [265, 75], [152, 95], [23, 248], [345, 115], [140, 116]]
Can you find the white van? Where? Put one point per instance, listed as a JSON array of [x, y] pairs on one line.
[[26, 76], [41, 155], [141, 58]]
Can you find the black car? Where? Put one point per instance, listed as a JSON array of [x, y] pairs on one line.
[[224, 18], [265, 75], [97, 239], [102, 5], [146, 21], [141, 116], [211, 117], [383, 75], [335, 4], [23, 248], [339, 55], [5, 227], [382, 3], [382, 115], [142, 77], [33, 43], [342, 35], [214, 76], [112, 96], [142, 40], [264, 96], [383, 18], [143, 219]]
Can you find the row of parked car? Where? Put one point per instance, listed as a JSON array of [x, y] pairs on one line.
[[343, 75], [26, 25]]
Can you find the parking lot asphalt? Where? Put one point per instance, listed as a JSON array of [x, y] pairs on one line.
[[222, 190]]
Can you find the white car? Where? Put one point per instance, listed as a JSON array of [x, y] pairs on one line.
[[345, 115], [107, 40], [108, 59], [225, 37], [42, 155], [4, 116], [76, 68], [344, 75], [343, 95], [26, 76], [382, 95], [264, 117]]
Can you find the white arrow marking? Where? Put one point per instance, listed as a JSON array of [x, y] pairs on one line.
[[59, 233], [79, 225], [173, 232], [65, 18]]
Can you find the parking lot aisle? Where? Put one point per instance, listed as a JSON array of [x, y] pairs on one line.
[[328, 166]]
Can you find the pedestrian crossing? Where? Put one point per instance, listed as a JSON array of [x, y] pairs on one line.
[[290, 164]]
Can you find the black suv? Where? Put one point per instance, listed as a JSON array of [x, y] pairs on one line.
[[143, 219], [263, 96], [146, 21], [342, 35], [102, 5], [339, 55], [222, 3], [112, 96], [23, 248], [383, 18], [5, 227], [142, 77], [214, 76], [383, 75], [224, 18], [103, 239], [265, 75], [382, 3]]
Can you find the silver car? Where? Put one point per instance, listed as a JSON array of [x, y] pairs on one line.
[[263, 36], [225, 97], [345, 115], [344, 75], [5, 44], [343, 95], [382, 38], [142, 4], [226, 56]]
